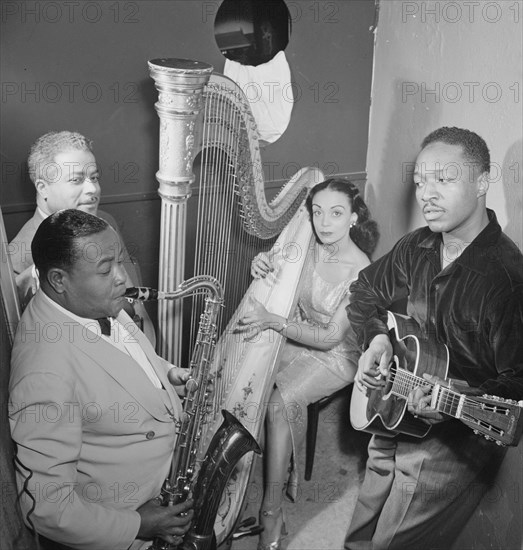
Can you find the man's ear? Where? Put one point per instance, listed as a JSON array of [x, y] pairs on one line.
[[41, 188], [57, 279], [483, 184]]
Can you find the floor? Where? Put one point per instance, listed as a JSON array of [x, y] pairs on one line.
[[320, 517]]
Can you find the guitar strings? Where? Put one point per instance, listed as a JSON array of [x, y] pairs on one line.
[[408, 381], [403, 381]]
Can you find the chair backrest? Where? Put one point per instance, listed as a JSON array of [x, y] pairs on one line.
[[11, 305], [13, 533]]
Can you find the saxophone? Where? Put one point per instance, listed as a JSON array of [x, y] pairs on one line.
[[230, 442]]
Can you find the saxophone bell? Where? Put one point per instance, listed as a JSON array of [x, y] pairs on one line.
[[229, 443]]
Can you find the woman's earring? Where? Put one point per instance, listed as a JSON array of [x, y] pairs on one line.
[[352, 224]]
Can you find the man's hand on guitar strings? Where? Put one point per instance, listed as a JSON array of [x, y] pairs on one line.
[[419, 399], [373, 366]]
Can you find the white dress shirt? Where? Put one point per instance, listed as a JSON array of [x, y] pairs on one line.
[[120, 338]]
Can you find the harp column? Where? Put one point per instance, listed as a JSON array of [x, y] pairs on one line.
[[180, 84]]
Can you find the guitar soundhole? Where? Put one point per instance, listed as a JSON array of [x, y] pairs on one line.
[[393, 369]]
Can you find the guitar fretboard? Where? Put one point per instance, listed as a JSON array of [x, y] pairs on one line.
[[444, 399]]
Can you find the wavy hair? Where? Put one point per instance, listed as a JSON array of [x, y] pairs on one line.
[[46, 147], [364, 233]]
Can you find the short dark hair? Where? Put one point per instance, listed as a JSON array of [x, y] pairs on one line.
[[365, 232], [474, 146], [55, 243]]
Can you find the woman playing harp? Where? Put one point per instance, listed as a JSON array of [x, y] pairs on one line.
[[318, 358]]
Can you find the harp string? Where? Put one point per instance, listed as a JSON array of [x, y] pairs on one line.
[[222, 248]]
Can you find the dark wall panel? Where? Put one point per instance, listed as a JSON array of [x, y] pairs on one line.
[[83, 66]]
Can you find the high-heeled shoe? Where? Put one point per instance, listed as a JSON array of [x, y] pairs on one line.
[[278, 534]]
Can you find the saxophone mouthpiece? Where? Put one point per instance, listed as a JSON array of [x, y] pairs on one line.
[[142, 293]]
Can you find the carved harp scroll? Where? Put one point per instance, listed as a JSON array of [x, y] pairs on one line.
[[208, 113]]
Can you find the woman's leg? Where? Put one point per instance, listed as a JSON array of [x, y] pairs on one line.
[[278, 451]]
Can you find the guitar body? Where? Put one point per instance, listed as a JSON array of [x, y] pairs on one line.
[[380, 411]]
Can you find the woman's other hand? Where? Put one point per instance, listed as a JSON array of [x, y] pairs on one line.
[[261, 265]]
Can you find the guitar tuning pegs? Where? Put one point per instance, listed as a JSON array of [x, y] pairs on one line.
[[492, 397]]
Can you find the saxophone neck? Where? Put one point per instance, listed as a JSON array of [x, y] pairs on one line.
[[194, 285], [204, 282]]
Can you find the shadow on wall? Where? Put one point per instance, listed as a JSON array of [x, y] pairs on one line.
[[390, 190], [513, 188]]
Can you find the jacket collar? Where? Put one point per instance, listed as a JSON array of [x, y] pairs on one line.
[[478, 253], [120, 366]]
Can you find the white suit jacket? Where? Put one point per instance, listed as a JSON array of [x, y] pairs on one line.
[[90, 427]]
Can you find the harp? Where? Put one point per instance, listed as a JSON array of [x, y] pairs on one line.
[[206, 117]]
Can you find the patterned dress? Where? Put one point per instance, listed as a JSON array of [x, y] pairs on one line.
[[306, 375]]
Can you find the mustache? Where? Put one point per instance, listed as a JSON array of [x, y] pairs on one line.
[[431, 205]]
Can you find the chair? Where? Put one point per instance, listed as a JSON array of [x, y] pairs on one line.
[[13, 533], [313, 414]]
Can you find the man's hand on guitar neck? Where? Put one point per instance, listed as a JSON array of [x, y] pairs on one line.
[[419, 399], [373, 366]]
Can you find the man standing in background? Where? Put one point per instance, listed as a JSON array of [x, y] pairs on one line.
[[63, 168]]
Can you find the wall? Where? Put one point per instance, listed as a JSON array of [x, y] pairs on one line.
[[83, 66], [445, 64], [441, 63]]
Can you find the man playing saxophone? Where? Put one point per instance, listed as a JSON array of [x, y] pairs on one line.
[[93, 409]]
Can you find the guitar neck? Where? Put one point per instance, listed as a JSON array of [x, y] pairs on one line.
[[444, 399]]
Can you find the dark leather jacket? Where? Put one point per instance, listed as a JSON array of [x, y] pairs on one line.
[[474, 305]]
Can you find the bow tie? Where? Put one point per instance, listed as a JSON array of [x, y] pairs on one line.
[[105, 325]]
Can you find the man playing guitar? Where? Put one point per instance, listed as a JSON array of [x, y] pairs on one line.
[[463, 281]]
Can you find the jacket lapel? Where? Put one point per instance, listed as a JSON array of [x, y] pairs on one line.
[[160, 366], [119, 365]]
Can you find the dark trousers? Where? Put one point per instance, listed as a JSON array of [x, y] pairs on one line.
[[47, 544], [419, 493]]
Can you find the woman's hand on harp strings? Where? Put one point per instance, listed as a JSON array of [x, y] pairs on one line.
[[168, 523], [258, 319], [261, 265]]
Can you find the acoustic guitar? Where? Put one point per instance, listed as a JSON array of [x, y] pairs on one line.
[[384, 410]]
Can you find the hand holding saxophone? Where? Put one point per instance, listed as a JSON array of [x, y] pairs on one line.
[[169, 523], [178, 378]]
